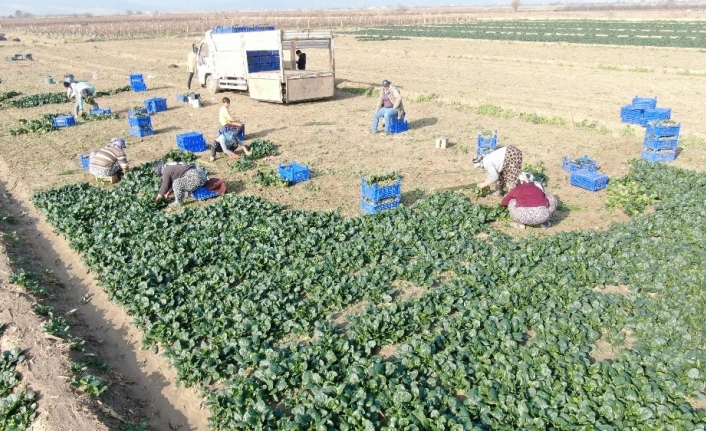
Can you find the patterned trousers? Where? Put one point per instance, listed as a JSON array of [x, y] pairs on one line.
[[105, 172], [190, 181], [512, 166], [532, 216]]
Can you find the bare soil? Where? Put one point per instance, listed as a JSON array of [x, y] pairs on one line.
[[442, 82]]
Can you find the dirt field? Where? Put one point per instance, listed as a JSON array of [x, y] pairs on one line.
[[442, 82]]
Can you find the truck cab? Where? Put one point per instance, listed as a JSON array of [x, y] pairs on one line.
[[263, 63]]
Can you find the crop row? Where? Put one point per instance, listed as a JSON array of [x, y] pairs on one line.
[[649, 33], [242, 297]]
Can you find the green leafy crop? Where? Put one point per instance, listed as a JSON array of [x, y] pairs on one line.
[[628, 195], [179, 156], [18, 404], [382, 179], [270, 179], [420, 318], [259, 148]]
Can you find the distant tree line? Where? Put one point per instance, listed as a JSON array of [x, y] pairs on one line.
[[21, 14]]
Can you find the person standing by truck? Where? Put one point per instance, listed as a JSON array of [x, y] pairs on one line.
[[301, 59], [191, 64]]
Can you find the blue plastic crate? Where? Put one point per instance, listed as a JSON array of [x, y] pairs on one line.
[[655, 114], [397, 125], [661, 143], [371, 207], [156, 104], [138, 86], [101, 111], [377, 193], [136, 77], [294, 172], [630, 115], [182, 98], [202, 193], [64, 121], [488, 142], [240, 135], [84, 160], [578, 164], [588, 180], [141, 132], [659, 155], [657, 128], [191, 141], [644, 102], [139, 121]]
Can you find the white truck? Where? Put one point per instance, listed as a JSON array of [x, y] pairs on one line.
[[263, 63]]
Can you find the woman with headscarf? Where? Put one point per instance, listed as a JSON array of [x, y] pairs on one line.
[[528, 204], [179, 177], [503, 167], [110, 160]]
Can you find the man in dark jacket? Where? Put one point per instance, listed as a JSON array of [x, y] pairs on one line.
[[301, 60]]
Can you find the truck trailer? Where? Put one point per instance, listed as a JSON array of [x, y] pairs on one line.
[[263, 63]]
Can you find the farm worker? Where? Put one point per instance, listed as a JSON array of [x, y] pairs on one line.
[[225, 120], [503, 167], [110, 160], [301, 59], [389, 104], [528, 204], [191, 64], [227, 142], [82, 92], [179, 177]]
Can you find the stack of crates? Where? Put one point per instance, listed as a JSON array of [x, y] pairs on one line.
[[583, 173], [140, 122], [63, 121], [137, 83], [397, 125], [156, 104], [486, 145], [191, 141], [642, 110], [294, 173], [262, 61], [375, 198], [661, 141]]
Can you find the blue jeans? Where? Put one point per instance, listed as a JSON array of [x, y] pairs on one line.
[[388, 113]]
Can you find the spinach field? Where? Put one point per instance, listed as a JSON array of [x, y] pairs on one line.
[[682, 34], [243, 296]]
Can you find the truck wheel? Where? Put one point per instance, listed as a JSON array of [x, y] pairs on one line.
[[212, 85]]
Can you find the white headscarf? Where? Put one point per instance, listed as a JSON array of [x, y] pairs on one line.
[[528, 177]]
